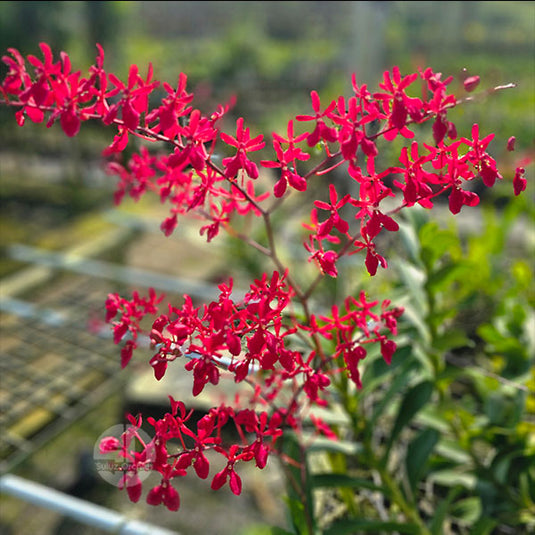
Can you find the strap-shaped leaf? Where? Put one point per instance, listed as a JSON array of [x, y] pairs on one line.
[[335, 446], [452, 478], [343, 480], [418, 452], [376, 368], [414, 400], [397, 384], [411, 243], [297, 514]]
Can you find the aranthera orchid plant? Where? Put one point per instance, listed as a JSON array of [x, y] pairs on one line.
[[294, 358]]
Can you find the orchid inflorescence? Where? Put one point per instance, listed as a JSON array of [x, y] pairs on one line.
[[253, 337]]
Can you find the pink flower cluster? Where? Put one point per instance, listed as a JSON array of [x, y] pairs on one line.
[[269, 338]]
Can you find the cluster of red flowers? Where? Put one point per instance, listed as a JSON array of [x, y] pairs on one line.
[[260, 338], [246, 338], [187, 448]]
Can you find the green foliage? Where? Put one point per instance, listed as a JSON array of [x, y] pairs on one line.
[[444, 436], [299, 491]]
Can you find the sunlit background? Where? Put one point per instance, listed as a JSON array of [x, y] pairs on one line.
[[56, 199]]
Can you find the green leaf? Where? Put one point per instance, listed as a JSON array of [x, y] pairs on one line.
[[501, 464], [376, 368], [413, 279], [397, 384], [452, 478], [467, 510], [350, 527], [417, 318], [452, 339], [343, 480], [441, 278], [415, 399], [499, 409], [523, 274], [297, 512], [436, 242], [418, 452], [336, 446], [332, 415], [437, 523], [298, 500], [483, 526], [450, 449], [425, 358], [489, 333], [527, 490], [432, 416], [410, 241]]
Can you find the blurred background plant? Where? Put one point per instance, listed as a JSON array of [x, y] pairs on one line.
[[452, 424]]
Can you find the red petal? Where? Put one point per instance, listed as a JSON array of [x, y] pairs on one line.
[[219, 479], [134, 488], [371, 263], [159, 369], [235, 483], [154, 497], [171, 499], [202, 466]]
